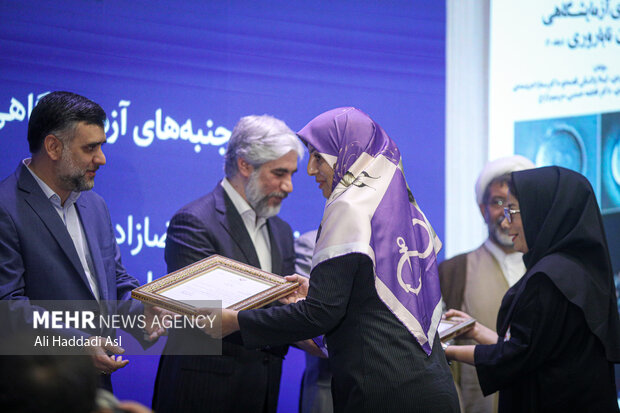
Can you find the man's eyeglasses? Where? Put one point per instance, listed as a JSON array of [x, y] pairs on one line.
[[496, 202], [508, 213]]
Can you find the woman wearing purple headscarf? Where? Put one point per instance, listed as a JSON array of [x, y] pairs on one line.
[[374, 290], [558, 332]]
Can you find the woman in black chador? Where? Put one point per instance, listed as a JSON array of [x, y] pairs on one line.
[[558, 333]]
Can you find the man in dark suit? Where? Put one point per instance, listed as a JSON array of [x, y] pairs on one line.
[[56, 237], [237, 220]]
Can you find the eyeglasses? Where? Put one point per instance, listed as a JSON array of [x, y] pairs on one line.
[[508, 213]]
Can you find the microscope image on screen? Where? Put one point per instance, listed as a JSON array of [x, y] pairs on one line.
[[610, 162], [586, 144]]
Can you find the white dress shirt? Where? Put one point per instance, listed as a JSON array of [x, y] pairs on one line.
[[257, 227], [70, 218], [511, 264]]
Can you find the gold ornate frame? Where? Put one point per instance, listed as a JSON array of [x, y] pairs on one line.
[[454, 327], [150, 293]]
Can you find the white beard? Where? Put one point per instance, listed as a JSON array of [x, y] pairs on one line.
[[497, 234], [502, 238], [258, 200]]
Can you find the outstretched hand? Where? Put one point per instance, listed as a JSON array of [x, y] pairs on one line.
[[456, 313], [154, 329], [479, 333], [103, 362], [300, 293], [220, 324]]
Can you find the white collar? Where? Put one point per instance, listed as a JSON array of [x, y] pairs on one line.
[[241, 205], [495, 250], [499, 253], [511, 264]]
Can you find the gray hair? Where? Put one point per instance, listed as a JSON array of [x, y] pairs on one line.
[[260, 139]]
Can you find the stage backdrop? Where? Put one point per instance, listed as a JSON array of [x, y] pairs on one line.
[[174, 78]]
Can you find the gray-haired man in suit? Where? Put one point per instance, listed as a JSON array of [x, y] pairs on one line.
[[237, 220]]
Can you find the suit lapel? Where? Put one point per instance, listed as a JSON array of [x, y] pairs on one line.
[[42, 206], [232, 222], [87, 220]]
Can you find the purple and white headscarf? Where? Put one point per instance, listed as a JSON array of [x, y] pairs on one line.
[[372, 211]]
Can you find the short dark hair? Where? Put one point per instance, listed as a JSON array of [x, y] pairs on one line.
[[502, 179], [58, 111]]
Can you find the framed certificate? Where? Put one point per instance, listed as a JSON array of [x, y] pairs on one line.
[[238, 286], [454, 327]]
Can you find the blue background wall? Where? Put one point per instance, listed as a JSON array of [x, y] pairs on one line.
[[211, 63]]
